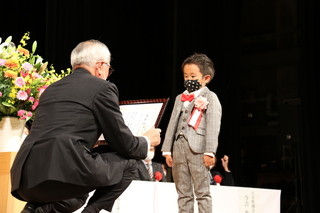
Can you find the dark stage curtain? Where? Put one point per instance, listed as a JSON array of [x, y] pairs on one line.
[[310, 144], [134, 31], [150, 39], [213, 28]]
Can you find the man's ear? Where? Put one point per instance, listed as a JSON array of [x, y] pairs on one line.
[[97, 70]]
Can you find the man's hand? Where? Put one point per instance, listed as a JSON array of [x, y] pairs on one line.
[[225, 162], [169, 160], [209, 161], [153, 135]]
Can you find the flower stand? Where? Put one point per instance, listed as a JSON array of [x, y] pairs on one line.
[[11, 131], [8, 203]]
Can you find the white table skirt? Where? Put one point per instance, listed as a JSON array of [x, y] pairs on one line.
[[159, 197]]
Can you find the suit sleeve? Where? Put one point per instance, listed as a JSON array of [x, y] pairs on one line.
[[115, 131], [171, 129], [214, 113], [228, 179]]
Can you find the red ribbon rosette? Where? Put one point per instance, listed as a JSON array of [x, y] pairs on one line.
[[217, 179], [158, 176], [200, 104]]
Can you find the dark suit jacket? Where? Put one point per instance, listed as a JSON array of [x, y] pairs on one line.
[[142, 172], [227, 178], [71, 116]]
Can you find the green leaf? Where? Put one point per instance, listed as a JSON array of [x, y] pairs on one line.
[[7, 104], [34, 46], [32, 59], [37, 66], [3, 110], [8, 109]]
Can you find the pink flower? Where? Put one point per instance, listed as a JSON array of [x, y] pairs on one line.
[[201, 103], [27, 66], [34, 106], [24, 117], [21, 112], [37, 75], [31, 99], [0, 94], [2, 62], [29, 114], [20, 82], [22, 95], [42, 89]]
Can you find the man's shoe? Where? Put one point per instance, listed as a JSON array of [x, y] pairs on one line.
[[32, 208], [29, 208]]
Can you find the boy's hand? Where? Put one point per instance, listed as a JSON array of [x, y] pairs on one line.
[[209, 161], [169, 160]]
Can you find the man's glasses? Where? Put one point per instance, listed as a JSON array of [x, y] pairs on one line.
[[111, 70]]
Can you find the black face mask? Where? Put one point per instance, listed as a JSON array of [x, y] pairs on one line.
[[192, 85]]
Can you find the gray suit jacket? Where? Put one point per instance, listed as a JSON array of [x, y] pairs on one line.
[[205, 138]]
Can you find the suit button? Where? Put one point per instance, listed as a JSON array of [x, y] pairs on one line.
[[186, 111], [184, 120], [182, 128]]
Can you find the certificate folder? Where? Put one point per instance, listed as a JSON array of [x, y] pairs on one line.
[[141, 115]]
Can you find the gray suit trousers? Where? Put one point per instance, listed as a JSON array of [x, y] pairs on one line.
[[190, 175]]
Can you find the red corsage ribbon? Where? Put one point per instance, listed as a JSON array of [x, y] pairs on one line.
[[217, 179], [158, 176], [200, 104]]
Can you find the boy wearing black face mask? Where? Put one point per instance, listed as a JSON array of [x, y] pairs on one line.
[[191, 138]]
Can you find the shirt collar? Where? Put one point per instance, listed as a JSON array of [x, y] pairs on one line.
[[196, 93]]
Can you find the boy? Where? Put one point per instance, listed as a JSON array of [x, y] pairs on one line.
[[191, 138]]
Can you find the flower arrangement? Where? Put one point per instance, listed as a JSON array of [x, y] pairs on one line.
[[158, 176], [23, 78]]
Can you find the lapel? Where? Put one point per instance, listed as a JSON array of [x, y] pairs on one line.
[[154, 167], [204, 92], [143, 169], [180, 106]]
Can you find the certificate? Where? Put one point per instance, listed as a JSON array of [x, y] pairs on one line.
[[141, 115]]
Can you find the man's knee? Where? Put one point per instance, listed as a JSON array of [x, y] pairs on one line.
[[71, 204]]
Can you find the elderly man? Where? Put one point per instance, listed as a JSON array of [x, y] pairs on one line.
[[56, 166]]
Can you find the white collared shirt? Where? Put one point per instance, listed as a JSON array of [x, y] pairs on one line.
[[195, 93]]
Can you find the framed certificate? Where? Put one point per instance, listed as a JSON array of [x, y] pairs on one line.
[[141, 115]]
